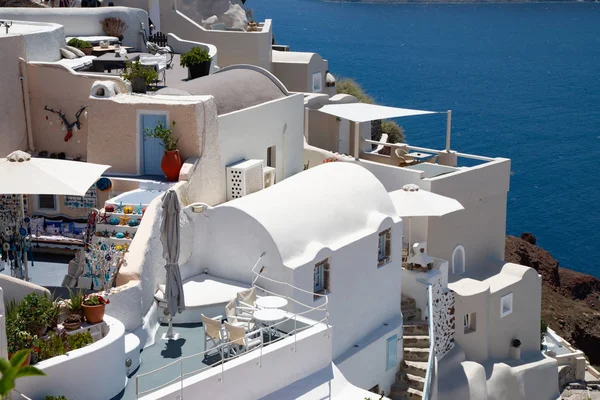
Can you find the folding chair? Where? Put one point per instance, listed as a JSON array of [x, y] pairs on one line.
[[239, 340]]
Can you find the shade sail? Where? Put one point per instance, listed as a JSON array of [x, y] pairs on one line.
[[411, 201], [22, 174], [363, 112]]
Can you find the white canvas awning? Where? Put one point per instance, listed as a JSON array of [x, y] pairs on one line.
[[363, 112], [22, 174]]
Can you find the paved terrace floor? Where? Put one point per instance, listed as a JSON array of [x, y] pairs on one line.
[[161, 353]]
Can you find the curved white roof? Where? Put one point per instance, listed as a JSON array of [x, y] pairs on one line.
[[318, 208]]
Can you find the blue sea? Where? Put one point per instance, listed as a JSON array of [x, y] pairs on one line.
[[522, 80]]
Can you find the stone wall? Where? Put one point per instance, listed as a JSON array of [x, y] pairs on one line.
[[443, 319]]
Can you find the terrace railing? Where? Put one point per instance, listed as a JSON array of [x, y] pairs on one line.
[[223, 348], [430, 373]]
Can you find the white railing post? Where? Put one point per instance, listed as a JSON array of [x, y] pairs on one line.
[[181, 377], [137, 387], [295, 332], [222, 378]]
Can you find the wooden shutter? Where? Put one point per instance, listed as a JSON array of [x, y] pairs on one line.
[[326, 279]]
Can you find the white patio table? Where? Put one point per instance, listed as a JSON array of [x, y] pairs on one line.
[[271, 302], [268, 317]]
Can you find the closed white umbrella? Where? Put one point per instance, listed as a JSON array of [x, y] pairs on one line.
[[169, 237], [412, 201], [21, 174]]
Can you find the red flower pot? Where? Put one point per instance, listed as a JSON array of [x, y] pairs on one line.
[[94, 314], [171, 165]]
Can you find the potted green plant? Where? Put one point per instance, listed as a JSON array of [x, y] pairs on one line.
[[54, 314], [171, 162], [82, 45], [197, 62], [34, 312], [93, 307], [72, 322], [140, 76], [75, 302], [18, 339]]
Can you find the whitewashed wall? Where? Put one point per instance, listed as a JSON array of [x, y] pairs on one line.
[[95, 372], [354, 309], [248, 133], [365, 366], [252, 376]]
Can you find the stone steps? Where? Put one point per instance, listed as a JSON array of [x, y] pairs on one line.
[[416, 382], [416, 328], [416, 354], [406, 394], [418, 368], [420, 341]]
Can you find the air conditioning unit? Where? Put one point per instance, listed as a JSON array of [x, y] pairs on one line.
[[268, 176], [243, 178]]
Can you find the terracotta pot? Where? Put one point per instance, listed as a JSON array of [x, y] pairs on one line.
[[26, 362], [94, 314], [87, 51], [171, 165]]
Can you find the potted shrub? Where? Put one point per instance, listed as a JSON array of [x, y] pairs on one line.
[[54, 314], [140, 76], [197, 62], [515, 349], [72, 322], [18, 339], [34, 313], [82, 45], [171, 161], [93, 307], [75, 303]]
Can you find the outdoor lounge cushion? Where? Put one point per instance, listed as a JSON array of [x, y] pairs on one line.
[[77, 63], [75, 51], [95, 40], [67, 54]]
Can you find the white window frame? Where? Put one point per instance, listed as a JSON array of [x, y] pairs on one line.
[[460, 248], [318, 87], [322, 270], [507, 299], [37, 203], [384, 246]]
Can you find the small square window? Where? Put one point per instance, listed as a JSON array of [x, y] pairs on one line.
[[46, 202], [384, 252], [317, 82], [470, 322], [321, 279], [506, 305]]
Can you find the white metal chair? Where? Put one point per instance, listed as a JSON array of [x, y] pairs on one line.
[[239, 316], [240, 340], [213, 331]]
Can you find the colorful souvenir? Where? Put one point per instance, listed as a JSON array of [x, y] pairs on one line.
[[120, 235], [104, 218], [109, 208], [134, 222], [124, 220], [119, 208], [138, 209], [127, 210], [103, 184], [114, 221]]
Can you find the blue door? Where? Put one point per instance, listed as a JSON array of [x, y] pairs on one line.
[[391, 358], [152, 149]]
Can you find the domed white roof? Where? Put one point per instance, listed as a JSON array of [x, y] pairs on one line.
[[318, 208]]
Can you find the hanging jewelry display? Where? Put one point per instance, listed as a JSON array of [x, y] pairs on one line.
[[14, 233], [101, 262]]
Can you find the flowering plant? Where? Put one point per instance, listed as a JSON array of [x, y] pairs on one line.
[[95, 299], [330, 159], [18, 339]]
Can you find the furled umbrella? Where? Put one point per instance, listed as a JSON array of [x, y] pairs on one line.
[[170, 241]]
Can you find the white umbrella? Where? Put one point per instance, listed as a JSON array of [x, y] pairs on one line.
[[412, 201], [21, 174]]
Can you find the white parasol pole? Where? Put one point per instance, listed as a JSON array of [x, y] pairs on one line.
[[448, 130]]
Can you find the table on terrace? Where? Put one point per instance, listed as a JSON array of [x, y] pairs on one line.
[[110, 61], [268, 317], [271, 302]]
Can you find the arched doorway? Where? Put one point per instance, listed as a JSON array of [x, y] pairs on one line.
[[458, 260]]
